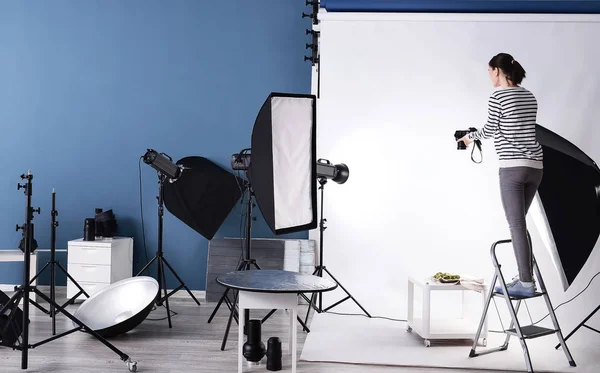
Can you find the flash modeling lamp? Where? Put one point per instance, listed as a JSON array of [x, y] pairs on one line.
[[162, 163], [338, 173]]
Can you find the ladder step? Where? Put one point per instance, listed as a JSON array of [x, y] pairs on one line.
[[518, 297], [531, 331]]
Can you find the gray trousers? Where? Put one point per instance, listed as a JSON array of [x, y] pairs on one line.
[[518, 186]]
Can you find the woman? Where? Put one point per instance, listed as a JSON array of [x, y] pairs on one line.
[[512, 112]]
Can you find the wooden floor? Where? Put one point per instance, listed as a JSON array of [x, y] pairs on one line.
[[192, 345]]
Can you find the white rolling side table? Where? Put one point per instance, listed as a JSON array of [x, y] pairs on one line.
[[451, 328], [271, 289]]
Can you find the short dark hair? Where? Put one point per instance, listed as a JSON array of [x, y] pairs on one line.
[[509, 66]]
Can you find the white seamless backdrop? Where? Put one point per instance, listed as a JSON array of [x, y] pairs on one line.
[[393, 89]]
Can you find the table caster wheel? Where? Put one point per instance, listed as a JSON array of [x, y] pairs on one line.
[[484, 342], [409, 329], [132, 365], [427, 343]]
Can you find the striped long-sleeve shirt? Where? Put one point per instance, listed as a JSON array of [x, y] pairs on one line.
[[512, 117]]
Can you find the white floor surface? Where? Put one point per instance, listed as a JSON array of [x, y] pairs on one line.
[[360, 340]]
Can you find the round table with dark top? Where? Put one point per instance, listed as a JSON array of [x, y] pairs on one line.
[[275, 281], [272, 289]]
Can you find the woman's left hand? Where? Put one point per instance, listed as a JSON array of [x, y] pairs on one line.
[[466, 140]]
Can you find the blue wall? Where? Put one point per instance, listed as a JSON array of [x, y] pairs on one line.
[[87, 86]]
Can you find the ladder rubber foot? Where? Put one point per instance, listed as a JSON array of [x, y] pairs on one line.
[[572, 363], [472, 353]]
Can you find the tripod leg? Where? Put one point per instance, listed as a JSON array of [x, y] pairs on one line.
[[224, 297], [146, 266], [579, 326], [53, 297], [218, 305], [123, 356], [36, 304], [39, 273], [349, 295], [235, 298], [163, 278], [15, 299], [313, 298], [181, 281], [72, 279], [311, 304], [304, 327]]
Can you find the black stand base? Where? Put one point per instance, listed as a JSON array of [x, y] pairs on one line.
[[23, 293], [582, 324], [162, 283], [245, 265], [24, 346], [52, 264], [319, 309], [321, 268]]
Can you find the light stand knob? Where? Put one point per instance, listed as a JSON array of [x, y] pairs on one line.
[[36, 210], [304, 15], [20, 227]]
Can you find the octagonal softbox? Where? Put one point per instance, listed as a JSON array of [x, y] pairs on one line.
[[283, 164], [204, 195], [568, 217]]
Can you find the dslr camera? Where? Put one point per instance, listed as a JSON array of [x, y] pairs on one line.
[[460, 134]]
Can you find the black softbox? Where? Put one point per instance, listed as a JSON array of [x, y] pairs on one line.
[[569, 199], [283, 166], [203, 195]]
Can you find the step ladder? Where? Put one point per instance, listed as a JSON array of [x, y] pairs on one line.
[[515, 328]]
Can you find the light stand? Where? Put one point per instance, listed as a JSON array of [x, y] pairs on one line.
[[162, 281], [23, 291], [53, 263], [582, 324], [246, 264], [321, 268]]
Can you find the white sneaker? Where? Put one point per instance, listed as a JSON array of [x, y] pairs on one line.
[[498, 288]]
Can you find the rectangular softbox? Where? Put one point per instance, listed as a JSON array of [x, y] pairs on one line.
[[283, 166]]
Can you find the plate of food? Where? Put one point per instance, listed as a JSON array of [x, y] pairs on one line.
[[447, 278]]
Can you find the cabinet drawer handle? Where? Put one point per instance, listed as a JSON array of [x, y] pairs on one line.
[[88, 266]]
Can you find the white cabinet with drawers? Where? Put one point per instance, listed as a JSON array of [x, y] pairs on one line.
[[97, 264]]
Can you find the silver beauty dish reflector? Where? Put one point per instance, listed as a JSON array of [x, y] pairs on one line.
[[119, 307]]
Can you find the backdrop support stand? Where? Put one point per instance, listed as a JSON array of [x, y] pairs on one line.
[[23, 293], [162, 280], [53, 263], [319, 269]]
